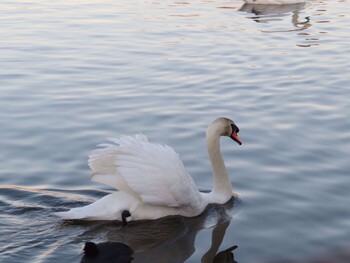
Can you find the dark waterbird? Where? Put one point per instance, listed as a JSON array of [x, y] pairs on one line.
[[107, 252]]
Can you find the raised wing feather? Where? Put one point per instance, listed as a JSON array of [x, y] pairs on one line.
[[151, 172]]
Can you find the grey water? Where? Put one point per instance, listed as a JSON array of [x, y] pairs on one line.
[[73, 73]]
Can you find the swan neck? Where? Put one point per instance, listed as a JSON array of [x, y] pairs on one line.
[[222, 188]]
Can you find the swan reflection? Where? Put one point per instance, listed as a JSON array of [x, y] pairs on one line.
[[225, 256], [170, 239], [275, 13]]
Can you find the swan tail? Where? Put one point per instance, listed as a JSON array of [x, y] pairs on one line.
[[74, 213], [110, 207]]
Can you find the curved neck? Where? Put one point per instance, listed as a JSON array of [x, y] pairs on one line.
[[222, 188]]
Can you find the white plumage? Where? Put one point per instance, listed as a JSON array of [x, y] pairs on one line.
[[151, 179]]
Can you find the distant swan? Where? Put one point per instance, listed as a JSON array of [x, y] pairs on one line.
[[152, 180], [274, 2]]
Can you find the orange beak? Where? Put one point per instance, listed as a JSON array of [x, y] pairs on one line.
[[235, 137]]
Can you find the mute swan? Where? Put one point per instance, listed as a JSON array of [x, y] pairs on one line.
[[152, 180], [274, 2]]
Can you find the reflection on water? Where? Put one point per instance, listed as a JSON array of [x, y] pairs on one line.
[[276, 13], [76, 72], [170, 239], [225, 256]]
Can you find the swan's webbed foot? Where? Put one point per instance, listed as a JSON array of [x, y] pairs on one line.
[[125, 215]]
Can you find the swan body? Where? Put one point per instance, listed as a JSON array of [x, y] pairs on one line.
[[274, 2], [152, 180]]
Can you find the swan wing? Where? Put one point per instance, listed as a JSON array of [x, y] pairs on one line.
[[153, 173]]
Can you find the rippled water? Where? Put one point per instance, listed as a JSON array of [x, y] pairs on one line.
[[74, 73]]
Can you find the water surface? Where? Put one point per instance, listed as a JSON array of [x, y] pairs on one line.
[[73, 74]]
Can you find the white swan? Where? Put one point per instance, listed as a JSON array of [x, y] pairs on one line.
[[274, 2], [152, 180]]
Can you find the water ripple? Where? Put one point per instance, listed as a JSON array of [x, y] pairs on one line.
[[75, 73]]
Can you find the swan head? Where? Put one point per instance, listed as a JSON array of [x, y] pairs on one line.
[[224, 127]]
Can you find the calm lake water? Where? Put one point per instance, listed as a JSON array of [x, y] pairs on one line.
[[73, 73]]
